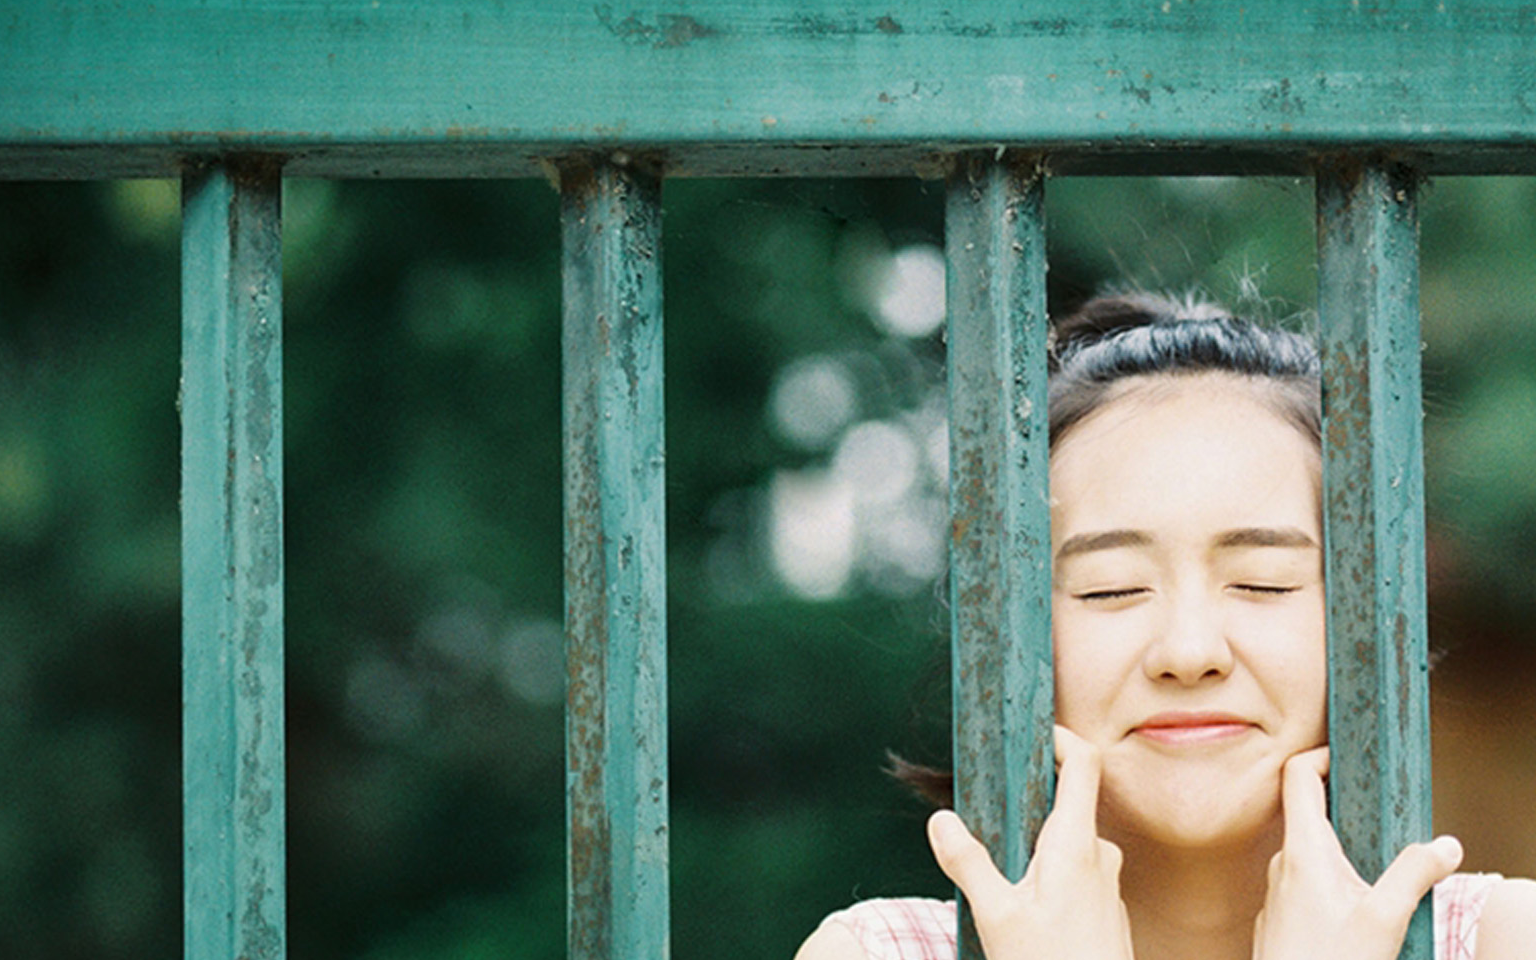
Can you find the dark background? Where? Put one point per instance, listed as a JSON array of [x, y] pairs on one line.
[[423, 543]]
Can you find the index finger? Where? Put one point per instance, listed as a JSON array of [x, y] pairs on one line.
[[1304, 797], [1074, 814]]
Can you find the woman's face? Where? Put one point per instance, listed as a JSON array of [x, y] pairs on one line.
[[1188, 605]]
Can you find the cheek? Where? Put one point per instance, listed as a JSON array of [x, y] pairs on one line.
[[1305, 701], [1089, 675], [1290, 660], [1315, 666], [1072, 695], [1317, 701]]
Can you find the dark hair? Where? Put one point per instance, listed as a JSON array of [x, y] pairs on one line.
[[1110, 339], [1113, 338]]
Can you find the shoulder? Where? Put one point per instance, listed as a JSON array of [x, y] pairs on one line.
[[1508, 924], [832, 940], [907, 928]]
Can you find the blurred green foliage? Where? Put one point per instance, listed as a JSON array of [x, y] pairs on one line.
[[423, 539]]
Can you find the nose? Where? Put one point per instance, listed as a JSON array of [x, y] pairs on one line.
[[1190, 645]]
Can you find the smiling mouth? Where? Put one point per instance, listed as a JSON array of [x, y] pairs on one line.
[[1184, 729]]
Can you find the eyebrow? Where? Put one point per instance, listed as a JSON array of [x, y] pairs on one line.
[[1242, 537], [1102, 540], [1265, 537]]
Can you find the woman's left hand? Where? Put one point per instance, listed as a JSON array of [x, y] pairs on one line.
[[1317, 907], [1068, 905]]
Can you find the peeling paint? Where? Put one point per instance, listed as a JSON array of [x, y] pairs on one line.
[[666, 31], [679, 31], [260, 938], [1283, 99]]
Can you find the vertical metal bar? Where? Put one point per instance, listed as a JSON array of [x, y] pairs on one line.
[[232, 563], [1000, 578], [1373, 490], [615, 563]]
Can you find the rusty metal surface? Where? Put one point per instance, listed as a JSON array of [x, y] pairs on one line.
[[615, 574], [1000, 519], [1373, 483], [133, 87], [232, 564]]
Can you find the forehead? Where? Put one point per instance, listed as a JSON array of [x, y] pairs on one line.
[[1206, 451]]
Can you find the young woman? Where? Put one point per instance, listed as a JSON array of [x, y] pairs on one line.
[[1190, 818]]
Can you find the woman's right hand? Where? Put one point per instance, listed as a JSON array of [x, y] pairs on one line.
[[1068, 905], [1317, 906]]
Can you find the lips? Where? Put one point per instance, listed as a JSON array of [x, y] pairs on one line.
[[1184, 728]]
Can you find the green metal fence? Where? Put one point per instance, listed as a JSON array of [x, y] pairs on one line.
[[610, 101]]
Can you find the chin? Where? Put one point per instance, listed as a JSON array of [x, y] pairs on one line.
[[1191, 811]]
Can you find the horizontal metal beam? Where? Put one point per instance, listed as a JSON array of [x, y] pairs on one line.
[[106, 89]]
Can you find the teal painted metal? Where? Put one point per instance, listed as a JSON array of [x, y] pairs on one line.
[[615, 563], [1373, 483], [97, 88], [104, 90], [232, 564], [1000, 571]]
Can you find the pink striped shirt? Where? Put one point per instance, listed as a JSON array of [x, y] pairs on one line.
[[916, 928]]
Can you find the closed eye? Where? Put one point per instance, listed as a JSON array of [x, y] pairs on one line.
[[1107, 596], [1265, 589]]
